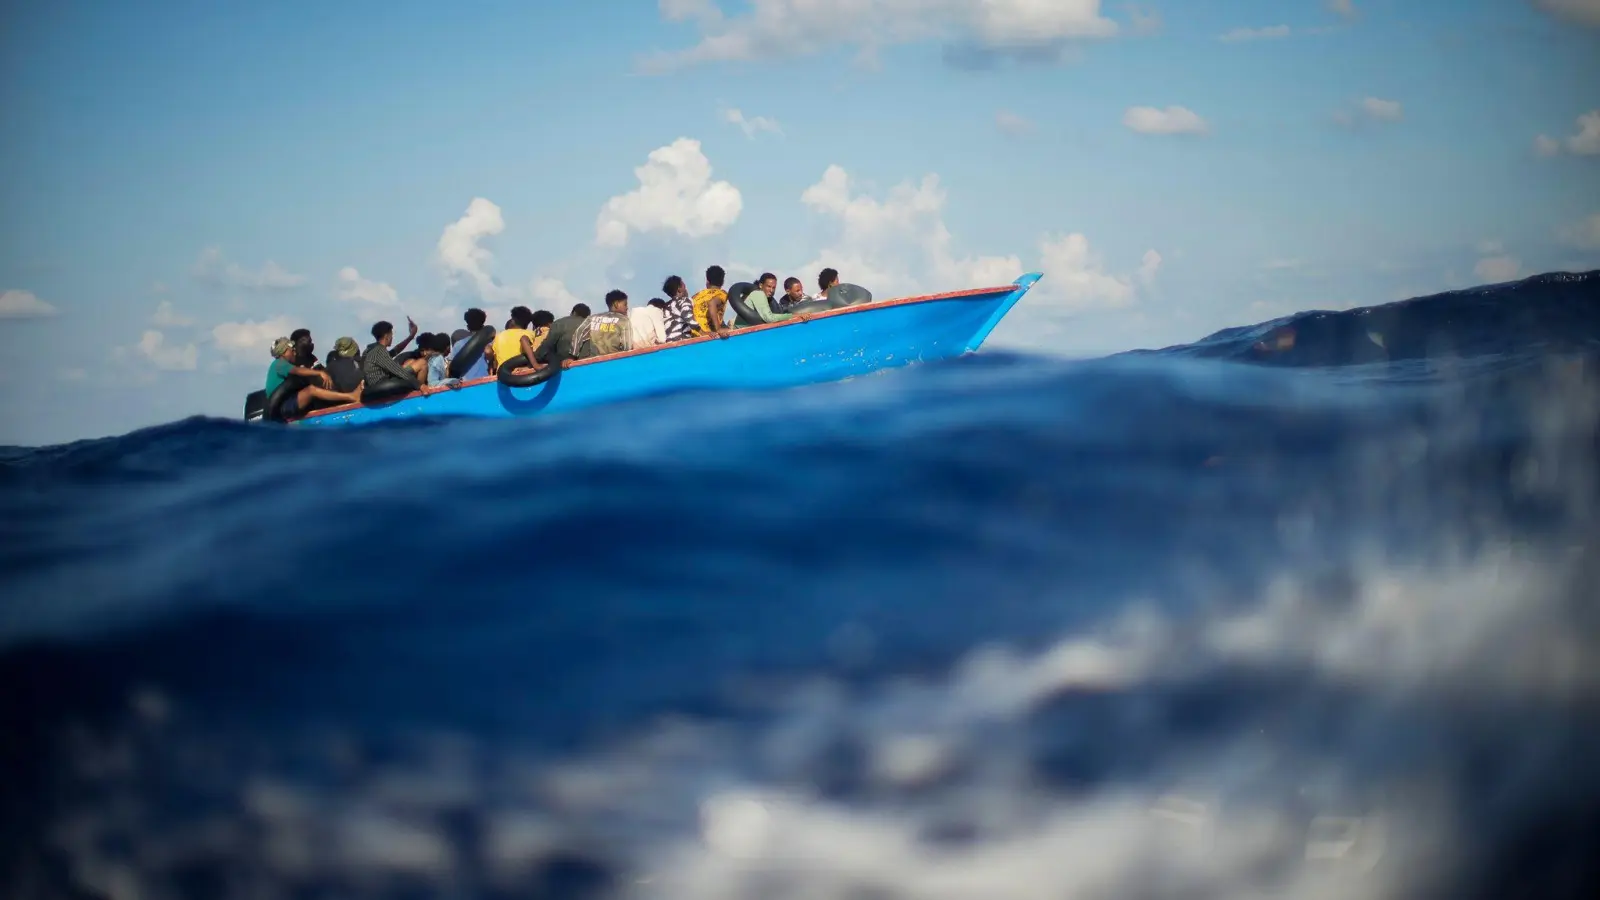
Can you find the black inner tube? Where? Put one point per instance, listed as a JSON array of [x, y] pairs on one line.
[[471, 352], [280, 395], [387, 389], [508, 377], [741, 309]]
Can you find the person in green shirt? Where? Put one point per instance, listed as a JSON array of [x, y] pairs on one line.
[[761, 301], [318, 386]]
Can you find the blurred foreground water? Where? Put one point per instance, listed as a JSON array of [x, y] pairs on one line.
[[1305, 609]]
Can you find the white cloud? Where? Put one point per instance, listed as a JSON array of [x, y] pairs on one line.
[[1075, 279], [1585, 234], [1144, 21], [165, 357], [809, 26], [751, 126], [373, 294], [1012, 124], [1587, 141], [1490, 247], [461, 253], [1584, 142], [1495, 269], [167, 317], [18, 304], [1343, 7], [1370, 109], [1255, 34], [250, 342], [1172, 120], [1579, 12], [675, 194], [552, 294], [898, 245], [212, 268], [1382, 110]]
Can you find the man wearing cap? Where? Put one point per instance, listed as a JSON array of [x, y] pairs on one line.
[[343, 366], [319, 388]]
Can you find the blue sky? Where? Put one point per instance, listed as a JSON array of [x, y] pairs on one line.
[[185, 181]]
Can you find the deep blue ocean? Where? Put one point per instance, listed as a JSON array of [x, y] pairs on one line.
[[1303, 609]]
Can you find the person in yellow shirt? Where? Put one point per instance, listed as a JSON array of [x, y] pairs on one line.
[[522, 340], [711, 304]]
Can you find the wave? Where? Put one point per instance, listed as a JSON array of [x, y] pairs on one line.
[[1162, 624]]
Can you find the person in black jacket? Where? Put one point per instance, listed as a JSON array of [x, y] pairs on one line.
[[557, 346]]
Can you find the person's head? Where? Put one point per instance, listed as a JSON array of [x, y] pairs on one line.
[[674, 288], [305, 349], [510, 324], [383, 333], [345, 346], [522, 316], [475, 319], [425, 344], [658, 303], [581, 310], [715, 276], [794, 289], [827, 278], [544, 318], [768, 283], [617, 301], [282, 347]]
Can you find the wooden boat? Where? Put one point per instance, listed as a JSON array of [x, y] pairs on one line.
[[815, 346]]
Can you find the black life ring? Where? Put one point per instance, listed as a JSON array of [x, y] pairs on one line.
[[471, 352], [807, 306], [273, 412], [507, 376], [742, 310], [841, 295], [388, 389]]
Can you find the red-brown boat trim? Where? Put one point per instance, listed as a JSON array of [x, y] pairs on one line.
[[733, 333]]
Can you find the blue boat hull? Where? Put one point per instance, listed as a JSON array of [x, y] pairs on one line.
[[824, 347]]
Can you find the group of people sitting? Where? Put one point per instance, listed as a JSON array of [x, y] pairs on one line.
[[530, 339]]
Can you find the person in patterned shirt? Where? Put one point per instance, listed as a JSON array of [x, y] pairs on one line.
[[680, 310]]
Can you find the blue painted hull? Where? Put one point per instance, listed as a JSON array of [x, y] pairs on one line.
[[827, 347]]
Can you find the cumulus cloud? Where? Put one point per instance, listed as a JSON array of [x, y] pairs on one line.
[[250, 341], [900, 244], [675, 195], [355, 289], [461, 253], [1011, 123], [1144, 21], [1584, 142], [1255, 34], [1585, 234], [19, 304], [1579, 12], [1172, 120], [1495, 269], [1370, 109], [1076, 280], [167, 357], [214, 269], [1028, 26], [168, 317], [552, 294], [751, 125]]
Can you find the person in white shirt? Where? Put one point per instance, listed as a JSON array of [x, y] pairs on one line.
[[649, 323]]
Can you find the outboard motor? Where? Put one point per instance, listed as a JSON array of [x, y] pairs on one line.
[[255, 405]]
